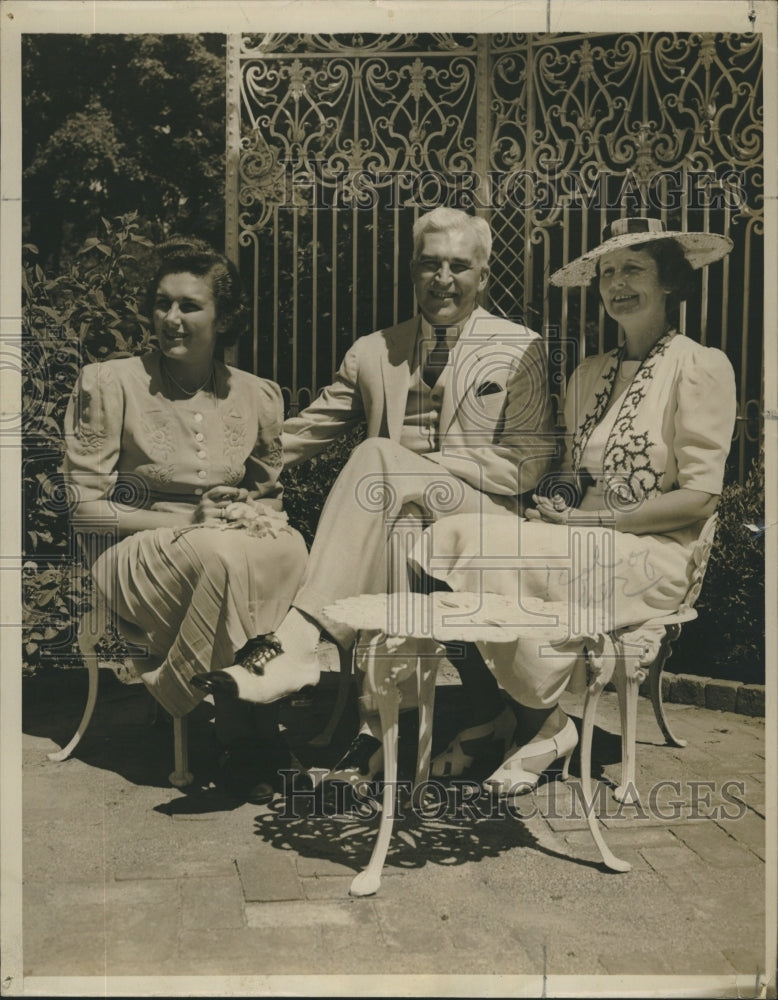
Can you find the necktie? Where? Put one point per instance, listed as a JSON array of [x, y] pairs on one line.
[[437, 357]]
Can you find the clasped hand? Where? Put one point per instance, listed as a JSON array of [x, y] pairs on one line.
[[553, 510], [214, 502]]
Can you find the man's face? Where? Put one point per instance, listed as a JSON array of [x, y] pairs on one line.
[[448, 273]]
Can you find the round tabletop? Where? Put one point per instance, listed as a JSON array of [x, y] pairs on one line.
[[452, 617]]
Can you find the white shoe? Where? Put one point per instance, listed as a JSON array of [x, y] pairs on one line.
[[515, 777]]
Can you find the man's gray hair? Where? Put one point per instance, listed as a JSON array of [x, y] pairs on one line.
[[444, 218]]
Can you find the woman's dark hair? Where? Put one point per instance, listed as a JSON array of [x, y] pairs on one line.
[[188, 254], [674, 271]]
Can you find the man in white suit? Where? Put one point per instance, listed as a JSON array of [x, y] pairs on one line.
[[458, 420]]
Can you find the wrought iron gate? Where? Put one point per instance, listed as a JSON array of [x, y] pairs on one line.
[[337, 143]]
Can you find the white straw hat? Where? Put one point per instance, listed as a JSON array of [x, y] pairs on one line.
[[700, 248]]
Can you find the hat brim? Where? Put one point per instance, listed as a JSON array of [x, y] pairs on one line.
[[700, 249]]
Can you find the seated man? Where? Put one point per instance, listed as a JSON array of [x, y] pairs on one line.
[[457, 410]]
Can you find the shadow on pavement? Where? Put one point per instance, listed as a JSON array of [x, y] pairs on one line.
[[417, 840]]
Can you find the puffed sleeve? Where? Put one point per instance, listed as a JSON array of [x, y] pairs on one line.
[[92, 432], [264, 464], [704, 420]]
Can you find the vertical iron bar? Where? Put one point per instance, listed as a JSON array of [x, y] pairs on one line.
[[744, 361], [295, 290], [482, 132], [334, 334], [275, 306], [375, 267], [355, 210], [354, 272], [725, 285], [314, 303], [255, 317], [529, 216], [396, 261], [232, 164], [705, 284], [684, 227]]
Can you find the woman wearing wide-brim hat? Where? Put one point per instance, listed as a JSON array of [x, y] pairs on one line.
[[648, 431]]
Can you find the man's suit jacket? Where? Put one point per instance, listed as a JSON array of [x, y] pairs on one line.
[[495, 429]]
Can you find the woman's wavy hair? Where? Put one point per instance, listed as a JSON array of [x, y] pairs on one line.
[[188, 254], [674, 271]]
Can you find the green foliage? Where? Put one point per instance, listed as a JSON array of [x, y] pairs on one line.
[[307, 485], [89, 312], [727, 640], [113, 122]]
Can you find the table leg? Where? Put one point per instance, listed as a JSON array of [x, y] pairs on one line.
[[381, 672], [603, 669], [426, 676]]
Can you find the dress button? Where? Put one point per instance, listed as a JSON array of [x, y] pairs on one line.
[[199, 436], [198, 418], [198, 492], [202, 474], [201, 454]]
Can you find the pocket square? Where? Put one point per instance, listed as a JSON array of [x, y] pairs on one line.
[[487, 389]]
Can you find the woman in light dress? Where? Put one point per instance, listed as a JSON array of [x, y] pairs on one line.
[[648, 431], [175, 457]]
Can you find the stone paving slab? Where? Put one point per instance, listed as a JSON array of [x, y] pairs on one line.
[[212, 903], [265, 883], [198, 869], [750, 831], [714, 845], [668, 857], [250, 951], [327, 887], [322, 866]]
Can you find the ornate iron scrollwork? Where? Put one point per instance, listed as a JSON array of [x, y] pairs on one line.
[[549, 136]]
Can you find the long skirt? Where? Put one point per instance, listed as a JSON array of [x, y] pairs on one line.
[[598, 578], [192, 599]]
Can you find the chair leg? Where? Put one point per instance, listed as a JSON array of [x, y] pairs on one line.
[[91, 701], [627, 683], [655, 685], [379, 669], [426, 676], [587, 730], [180, 777], [344, 683], [89, 631]]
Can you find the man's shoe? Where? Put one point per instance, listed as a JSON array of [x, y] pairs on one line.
[[361, 762]]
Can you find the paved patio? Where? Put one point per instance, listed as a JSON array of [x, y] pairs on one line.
[[126, 876]]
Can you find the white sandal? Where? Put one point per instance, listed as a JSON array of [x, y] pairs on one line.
[[455, 760], [512, 777]]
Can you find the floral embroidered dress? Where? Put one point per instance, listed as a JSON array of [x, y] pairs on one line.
[[191, 596], [635, 431]]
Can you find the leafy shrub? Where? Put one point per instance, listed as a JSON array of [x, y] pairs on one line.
[[727, 640], [89, 312]]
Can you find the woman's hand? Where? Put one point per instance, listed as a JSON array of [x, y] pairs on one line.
[[672, 511], [214, 502], [555, 510], [552, 510]]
